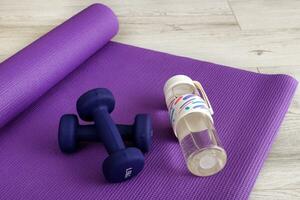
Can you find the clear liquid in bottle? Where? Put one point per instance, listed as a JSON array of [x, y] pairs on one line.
[[201, 148]]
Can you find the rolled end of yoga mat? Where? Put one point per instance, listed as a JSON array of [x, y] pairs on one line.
[[31, 72]]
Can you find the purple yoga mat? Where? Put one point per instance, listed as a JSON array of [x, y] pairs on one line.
[[31, 72], [249, 109]]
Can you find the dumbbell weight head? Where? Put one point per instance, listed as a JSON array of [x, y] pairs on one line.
[[143, 132], [122, 163], [71, 133], [67, 139], [91, 100]]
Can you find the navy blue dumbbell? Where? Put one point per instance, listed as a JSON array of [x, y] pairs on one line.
[[122, 163], [70, 133]]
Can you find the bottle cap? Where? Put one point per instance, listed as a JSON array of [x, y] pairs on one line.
[[178, 85]]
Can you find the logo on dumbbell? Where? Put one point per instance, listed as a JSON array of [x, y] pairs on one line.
[[128, 172]]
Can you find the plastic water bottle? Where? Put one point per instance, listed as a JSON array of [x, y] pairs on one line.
[[192, 122]]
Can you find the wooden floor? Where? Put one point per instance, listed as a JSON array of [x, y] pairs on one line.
[[258, 35]]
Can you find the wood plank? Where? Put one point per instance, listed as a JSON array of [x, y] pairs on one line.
[[271, 14], [208, 33]]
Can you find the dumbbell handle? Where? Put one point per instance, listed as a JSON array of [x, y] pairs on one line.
[[107, 130], [87, 133]]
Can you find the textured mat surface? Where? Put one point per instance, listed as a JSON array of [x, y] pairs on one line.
[[249, 109]]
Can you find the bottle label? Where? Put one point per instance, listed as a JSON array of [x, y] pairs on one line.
[[185, 104]]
